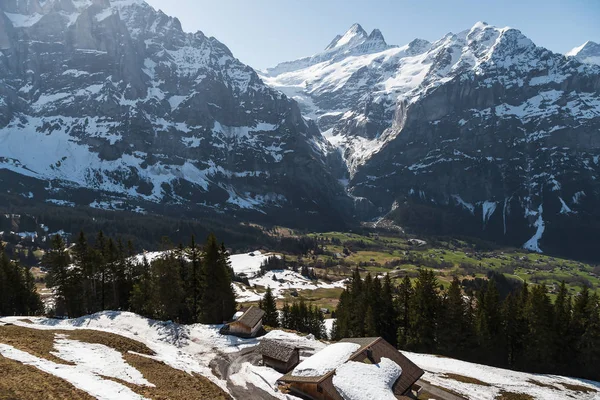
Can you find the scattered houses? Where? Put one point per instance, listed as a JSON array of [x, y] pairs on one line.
[[325, 375], [249, 324], [280, 356]]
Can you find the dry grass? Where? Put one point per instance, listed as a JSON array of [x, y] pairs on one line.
[[504, 395], [465, 379], [171, 384], [117, 342], [41, 342], [24, 382], [33, 341], [538, 383], [579, 388]]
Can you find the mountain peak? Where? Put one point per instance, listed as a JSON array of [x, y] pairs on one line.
[[376, 35], [353, 36], [587, 47], [589, 53]]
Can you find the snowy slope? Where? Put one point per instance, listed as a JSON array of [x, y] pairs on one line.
[[192, 348], [498, 379]]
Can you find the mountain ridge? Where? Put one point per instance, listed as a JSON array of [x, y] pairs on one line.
[[415, 123]]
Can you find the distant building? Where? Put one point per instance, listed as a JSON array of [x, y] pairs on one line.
[[371, 351], [417, 242], [247, 325], [280, 356]]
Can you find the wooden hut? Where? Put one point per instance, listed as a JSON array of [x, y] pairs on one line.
[[279, 356], [248, 325], [371, 351]]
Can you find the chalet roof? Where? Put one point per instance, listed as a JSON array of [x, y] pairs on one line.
[[410, 372], [276, 350], [362, 342], [251, 317]]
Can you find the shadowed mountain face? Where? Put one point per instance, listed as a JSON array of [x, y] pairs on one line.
[[481, 133], [111, 104]]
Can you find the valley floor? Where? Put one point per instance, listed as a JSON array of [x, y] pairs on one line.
[[120, 355]]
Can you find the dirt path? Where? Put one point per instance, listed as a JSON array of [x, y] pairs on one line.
[[226, 365]]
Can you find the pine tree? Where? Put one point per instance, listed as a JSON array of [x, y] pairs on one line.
[[82, 261], [342, 313], [357, 311], [196, 283], [404, 299], [100, 259], [512, 317], [489, 325], [388, 313], [218, 297], [454, 329], [285, 316], [18, 295], [169, 288], [589, 344], [143, 295], [424, 307], [564, 347], [540, 337], [57, 260], [271, 317], [370, 323]]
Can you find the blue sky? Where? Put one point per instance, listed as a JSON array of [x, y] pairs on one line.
[[262, 33]]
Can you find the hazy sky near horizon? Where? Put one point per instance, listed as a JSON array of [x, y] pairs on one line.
[[262, 33]]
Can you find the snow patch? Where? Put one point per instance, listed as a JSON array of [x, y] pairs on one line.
[[467, 206], [102, 389], [98, 359], [533, 244], [326, 360], [350, 378], [488, 209]]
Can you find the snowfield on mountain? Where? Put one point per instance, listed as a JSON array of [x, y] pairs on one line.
[[195, 348], [497, 134]]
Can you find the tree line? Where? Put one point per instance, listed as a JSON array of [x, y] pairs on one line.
[[524, 331], [186, 285], [18, 295]]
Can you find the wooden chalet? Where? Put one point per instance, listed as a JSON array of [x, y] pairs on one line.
[[249, 324], [371, 351], [280, 356]]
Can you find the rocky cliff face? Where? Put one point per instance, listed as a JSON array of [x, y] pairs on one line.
[[482, 133], [115, 98]]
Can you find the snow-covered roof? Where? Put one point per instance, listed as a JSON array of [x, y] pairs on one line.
[[326, 360], [349, 380]]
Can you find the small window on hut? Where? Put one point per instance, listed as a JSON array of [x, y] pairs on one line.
[[319, 389]]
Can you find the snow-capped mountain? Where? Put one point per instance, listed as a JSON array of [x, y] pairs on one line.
[[113, 97], [481, 132], [589, 52]]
